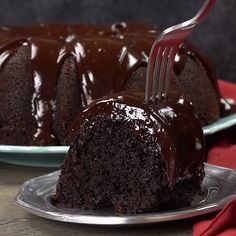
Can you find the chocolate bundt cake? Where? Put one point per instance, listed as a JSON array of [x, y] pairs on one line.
[[132, 157], [49, 73]]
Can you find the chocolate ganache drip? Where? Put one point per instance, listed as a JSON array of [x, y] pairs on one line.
[[105, 57]]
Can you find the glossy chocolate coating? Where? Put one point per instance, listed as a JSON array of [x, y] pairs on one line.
[[106, 56], [171, 124]]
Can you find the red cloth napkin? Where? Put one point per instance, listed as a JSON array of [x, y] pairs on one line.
[[224, 154]]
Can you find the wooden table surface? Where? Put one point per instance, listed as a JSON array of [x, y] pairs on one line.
[[14, 221]]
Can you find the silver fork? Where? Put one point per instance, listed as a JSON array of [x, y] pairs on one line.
[[163, 51]]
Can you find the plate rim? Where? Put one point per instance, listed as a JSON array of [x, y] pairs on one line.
[[219, 125], [33, 149], [146, 218]]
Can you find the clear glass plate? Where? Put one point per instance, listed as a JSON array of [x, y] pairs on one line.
[[53, 156], [218, 185]]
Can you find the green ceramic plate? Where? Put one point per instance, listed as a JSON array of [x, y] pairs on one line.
[[53, 156]]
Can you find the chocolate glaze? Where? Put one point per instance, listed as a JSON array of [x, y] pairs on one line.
[[106, 57], [172, 125], [45, 67]]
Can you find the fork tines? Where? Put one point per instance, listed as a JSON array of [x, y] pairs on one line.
[[159, 72], [162, 55]]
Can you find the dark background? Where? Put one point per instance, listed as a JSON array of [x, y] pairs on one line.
[[216, 35]]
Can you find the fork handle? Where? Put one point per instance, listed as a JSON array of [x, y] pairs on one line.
[[203, 12]]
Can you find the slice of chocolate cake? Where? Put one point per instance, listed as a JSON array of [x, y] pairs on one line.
[[132, 156]]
